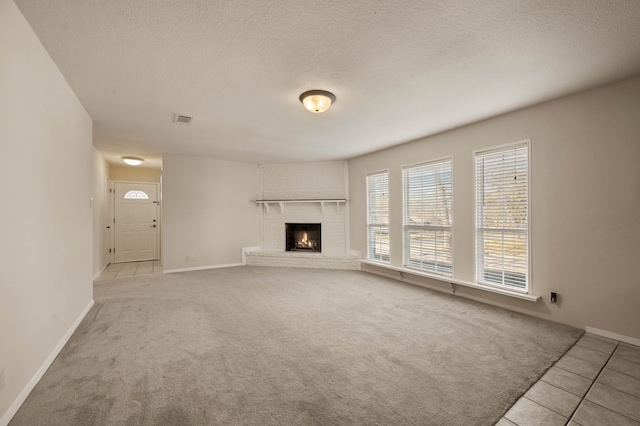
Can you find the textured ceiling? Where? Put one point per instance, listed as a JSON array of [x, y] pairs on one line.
[[400, 69]]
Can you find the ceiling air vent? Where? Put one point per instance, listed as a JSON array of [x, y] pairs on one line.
[[182, 119]]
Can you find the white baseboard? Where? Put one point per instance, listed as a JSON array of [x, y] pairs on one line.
[[200, 268], [614, 336], [99, 272], [13, 408]]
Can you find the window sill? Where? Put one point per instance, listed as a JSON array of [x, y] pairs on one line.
[[450, 280]]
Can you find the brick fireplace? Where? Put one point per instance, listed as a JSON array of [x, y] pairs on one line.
[[309, 194]]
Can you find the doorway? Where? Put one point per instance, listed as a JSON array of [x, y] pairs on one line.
[[136, 222]]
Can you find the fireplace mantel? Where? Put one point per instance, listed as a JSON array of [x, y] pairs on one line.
[[282, 203]]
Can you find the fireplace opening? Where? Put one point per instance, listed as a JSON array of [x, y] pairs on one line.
[[303, 237]]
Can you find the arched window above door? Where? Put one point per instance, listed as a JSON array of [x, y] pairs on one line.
[[136, 194]]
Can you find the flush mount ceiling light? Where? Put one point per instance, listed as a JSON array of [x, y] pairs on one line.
[[133, 161], [317, 101]]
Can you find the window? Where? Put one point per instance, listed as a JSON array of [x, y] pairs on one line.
[[378, 216], [136, 194], [428, 217], [502, 210]]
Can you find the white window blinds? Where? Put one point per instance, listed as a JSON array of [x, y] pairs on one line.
[[502, 212], [428, 217], [378, 216]]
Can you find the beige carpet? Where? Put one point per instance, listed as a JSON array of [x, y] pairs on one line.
[[276, 346]]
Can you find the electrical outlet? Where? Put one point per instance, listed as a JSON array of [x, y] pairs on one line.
[[192, 257], [1, 378]]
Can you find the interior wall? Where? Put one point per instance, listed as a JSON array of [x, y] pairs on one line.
[[135, 174], [46, 250], [100, 201], [585, 181], [208, 211]]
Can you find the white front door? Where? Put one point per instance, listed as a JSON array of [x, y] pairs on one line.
[[136, 222]]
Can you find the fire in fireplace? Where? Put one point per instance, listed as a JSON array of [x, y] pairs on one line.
[[303, 237]]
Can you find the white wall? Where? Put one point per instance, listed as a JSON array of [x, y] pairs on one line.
[[134, 174], [585, 203], [45, 223], [208, 210], [100, 205]]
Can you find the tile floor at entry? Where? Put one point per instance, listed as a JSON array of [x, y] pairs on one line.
[[597, 382], [130, 269]]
